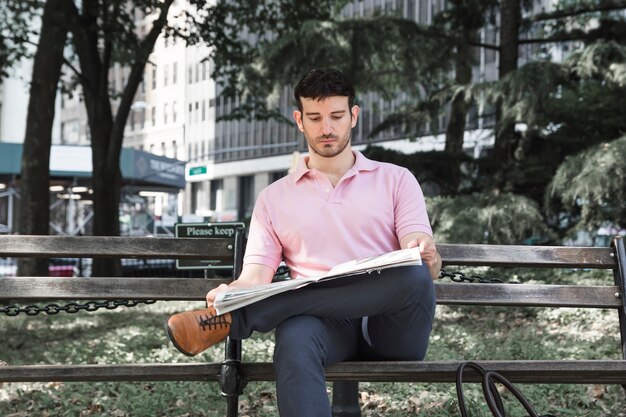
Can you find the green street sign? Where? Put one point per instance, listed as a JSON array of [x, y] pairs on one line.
[[199, 170], [206, 231]]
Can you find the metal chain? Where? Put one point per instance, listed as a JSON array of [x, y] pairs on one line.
[[461, 277], [72, 308], [90, 306]]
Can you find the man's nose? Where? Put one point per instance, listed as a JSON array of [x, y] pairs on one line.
[[327, 127]]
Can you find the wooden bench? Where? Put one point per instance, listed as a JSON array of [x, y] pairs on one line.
[[232, 375]]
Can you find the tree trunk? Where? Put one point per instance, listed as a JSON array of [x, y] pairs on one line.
[[107, 131], [455, 131], [107, 182], [34, 214], [510, 14]]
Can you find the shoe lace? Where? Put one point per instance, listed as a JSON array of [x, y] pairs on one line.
[[212, 322]]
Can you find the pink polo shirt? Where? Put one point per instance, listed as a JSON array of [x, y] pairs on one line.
[[312, 226]]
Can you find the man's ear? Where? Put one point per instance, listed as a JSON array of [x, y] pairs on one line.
[[297, 116], [355, 114]]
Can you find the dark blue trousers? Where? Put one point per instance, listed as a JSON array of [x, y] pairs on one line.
[[377, 316]]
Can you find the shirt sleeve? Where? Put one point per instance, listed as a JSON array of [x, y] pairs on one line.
[[410, 207], [263, 246]]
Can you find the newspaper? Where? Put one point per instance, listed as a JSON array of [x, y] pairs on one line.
[[234, 299]]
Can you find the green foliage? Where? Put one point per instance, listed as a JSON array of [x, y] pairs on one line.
[[17, 34], [487, 218], [588, 107], [593, 183], [523, 92]]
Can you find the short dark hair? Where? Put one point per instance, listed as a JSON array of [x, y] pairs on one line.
[[322, 83]]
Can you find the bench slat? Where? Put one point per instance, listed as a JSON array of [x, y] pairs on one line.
[[141, 247], [570, 372], [527, 256], [529, 295], [66, 288], [63, 288], [115, 247], [96, 373]]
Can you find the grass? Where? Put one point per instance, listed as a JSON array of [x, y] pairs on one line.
[[136, 335]]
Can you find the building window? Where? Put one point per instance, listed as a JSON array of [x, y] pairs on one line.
[[197, 72], [246, 196], [165, 75], [174, 73], [153, 115], [203, 110], [165, 111], [154, 77], [174, 112], [217, 186], [204, 71], [190, 74]]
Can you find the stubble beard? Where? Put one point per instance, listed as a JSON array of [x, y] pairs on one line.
[[328, 151]]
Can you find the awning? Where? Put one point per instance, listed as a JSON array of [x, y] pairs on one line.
[[138, 167]]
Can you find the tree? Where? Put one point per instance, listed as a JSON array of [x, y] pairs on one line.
[[104, 33], [35, 167], [573, 107], [510, 13]]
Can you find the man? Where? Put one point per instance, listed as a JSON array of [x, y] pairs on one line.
[[334, 207]]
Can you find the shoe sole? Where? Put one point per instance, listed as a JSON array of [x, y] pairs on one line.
[[176, 345]]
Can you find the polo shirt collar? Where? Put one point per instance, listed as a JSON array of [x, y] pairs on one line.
[[361, 163]]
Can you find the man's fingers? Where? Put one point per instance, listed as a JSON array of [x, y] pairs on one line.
[[210, 297]]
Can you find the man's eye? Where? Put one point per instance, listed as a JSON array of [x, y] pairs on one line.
[[314, 119]]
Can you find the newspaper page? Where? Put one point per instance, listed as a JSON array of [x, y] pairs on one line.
[[234, 299]]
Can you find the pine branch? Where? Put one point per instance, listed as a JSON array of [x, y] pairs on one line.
[[485, 45], [607, 5], [577, 35]]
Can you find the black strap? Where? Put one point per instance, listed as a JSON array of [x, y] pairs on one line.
[[492, 396]]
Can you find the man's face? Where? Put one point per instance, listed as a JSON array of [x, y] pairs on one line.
[[327, 124]]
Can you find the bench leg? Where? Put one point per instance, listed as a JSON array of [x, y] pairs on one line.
[[232, 406], [346, 399], [230, 379]]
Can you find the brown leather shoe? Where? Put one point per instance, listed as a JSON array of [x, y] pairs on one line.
[[194, 331]]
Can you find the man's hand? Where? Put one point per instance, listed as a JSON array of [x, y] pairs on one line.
[[251, 275], [210, 297], [427, 249]]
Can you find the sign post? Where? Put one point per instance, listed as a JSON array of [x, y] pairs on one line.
[[206, 231]]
